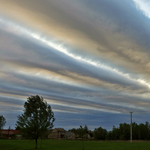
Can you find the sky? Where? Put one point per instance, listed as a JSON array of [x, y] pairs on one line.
[[89, 59]]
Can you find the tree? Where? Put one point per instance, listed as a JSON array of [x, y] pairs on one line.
[[37, 118], [100, 133], [124, 131], [82, 131], [114, 134], [2, 122], [143, 131]]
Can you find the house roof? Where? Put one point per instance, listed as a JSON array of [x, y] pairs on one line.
[[9, 131], [58, 130]]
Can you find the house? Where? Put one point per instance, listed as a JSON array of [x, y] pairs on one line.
[[57, 133], [9, 133]]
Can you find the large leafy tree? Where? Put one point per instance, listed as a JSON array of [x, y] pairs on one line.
[[37, 118]]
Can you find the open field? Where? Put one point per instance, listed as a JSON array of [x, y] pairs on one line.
[[72, 145]]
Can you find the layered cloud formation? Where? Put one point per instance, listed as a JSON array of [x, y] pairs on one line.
[[90, 60]]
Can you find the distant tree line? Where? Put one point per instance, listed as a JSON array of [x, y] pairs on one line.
[[139, 132], [81, 131]]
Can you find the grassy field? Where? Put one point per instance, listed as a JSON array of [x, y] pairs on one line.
[[72, 145]]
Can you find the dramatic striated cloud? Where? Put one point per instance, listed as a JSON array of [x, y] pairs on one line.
[[143, 6], [89, 60]]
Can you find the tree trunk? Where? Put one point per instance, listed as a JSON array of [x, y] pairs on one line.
[[36, 143], [82, 144]]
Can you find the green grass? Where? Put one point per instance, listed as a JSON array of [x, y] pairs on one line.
[[72, 145]]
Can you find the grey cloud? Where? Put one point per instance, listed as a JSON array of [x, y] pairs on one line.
[[111, 33], [35, 53]]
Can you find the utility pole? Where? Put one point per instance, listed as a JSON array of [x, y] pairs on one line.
[[131, 127]]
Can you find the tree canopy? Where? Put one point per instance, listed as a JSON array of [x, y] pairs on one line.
[[37, 118], [100, 133]]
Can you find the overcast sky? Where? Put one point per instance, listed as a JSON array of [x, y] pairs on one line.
[[89, 59]]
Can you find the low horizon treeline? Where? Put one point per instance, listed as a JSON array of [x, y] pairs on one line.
[[122, 132]]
